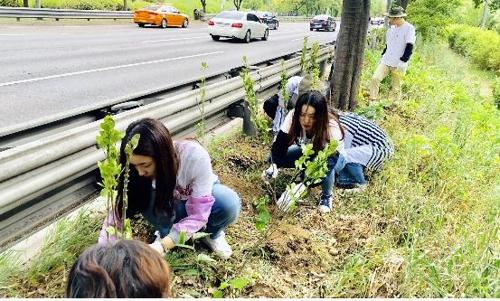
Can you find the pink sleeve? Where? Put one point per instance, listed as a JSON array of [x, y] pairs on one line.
[[198, 210], [104, 236]]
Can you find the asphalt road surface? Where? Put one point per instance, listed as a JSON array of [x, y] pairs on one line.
[[51, 71]]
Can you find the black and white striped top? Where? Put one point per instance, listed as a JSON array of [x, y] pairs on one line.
[[364, 142]]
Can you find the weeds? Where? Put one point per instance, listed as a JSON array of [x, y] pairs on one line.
[[200, 126]]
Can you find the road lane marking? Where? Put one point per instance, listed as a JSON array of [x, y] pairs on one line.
[[301, 39], [176, 39], [107, 69]]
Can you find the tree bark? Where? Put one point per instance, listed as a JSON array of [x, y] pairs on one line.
[[484, 17], [204, 5], [26, 3], [348, 61], [237, 3], [404, 4]]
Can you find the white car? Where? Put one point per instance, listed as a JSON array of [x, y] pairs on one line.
[[240, 25]]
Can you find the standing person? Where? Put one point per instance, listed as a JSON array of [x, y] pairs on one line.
[[173, 186], [126, 269], [309, 122], [400, 39]]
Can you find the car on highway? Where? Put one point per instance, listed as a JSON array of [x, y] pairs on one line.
[[268, 18], [322, 22], [377, 21], [160, 15], [237, 25]]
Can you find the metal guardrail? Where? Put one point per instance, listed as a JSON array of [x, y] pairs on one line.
[[45, 179], [23, 12]]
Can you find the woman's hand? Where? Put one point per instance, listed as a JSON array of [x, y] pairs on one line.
[[167, 243]]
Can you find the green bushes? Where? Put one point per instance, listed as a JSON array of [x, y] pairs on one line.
[[11, 3], [482, 46]]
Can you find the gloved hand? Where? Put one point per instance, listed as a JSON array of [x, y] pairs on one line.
[[156, 245], [291, 195], [402, 66], [270, 173]]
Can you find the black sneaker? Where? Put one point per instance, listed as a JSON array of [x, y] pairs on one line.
[[325, 204], [354, 188]]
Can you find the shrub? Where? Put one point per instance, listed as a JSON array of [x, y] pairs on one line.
[[11, 3], [482, 46]]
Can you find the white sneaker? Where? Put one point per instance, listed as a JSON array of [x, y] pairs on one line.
[[325, 204], [219, 245]]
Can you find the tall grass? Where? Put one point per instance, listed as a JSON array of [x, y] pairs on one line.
[[438, 197], [45, 275]]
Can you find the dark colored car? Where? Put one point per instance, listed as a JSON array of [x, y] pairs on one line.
[[377, 21], [323, 22], [269, 18]]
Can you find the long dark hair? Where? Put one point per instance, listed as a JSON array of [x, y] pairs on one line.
[[126, 269], [155, 141], [322, 115]]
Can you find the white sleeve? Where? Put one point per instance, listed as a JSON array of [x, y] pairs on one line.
[[287, 124], [410, 35], [335, 132]]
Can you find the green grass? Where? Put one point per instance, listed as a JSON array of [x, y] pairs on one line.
[[427, 226]]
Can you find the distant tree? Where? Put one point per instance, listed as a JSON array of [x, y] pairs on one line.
[[237, 4], [489, 6], [430, 17], [204, 5], [26, 3], [348, 61]]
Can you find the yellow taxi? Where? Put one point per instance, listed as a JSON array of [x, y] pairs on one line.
[[160, 15]]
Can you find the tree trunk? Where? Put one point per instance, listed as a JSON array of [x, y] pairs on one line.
[[237, 3], [125, 5], [404, 3], [26, 3], [485, 14], [348, 60], [204, 5]]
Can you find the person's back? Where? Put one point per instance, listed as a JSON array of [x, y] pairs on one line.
[[125, 269]]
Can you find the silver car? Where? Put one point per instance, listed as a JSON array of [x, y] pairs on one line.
[[240, 25]]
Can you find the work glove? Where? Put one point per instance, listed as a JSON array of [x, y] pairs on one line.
[[270, 173], [402, 66], [293, 194], [156, 245]]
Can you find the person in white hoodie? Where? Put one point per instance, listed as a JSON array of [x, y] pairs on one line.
[[400, 39]]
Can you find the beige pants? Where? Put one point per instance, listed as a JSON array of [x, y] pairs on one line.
[[380, 73]]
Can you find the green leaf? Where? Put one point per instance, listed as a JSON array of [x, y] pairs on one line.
[[224, 285], [185, 246], [217, 294], [199, 235], [204, 258], [111, 230], [239, 283], [182, 238]]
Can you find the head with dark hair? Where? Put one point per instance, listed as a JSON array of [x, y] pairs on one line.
[[126, 269], [312, 117], [154, 158]]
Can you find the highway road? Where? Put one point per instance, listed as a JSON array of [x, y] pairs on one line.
[[51, 71]]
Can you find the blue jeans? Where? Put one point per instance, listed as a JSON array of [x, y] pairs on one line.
[[224, 212], [335, 163], [352, 173]]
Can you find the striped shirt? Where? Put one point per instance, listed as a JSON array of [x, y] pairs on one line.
[[364, 142]]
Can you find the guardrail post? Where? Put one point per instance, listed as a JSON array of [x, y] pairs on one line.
[[248, 126]]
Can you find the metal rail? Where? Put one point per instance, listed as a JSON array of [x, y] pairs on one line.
[[40, 13], [44, 179]]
